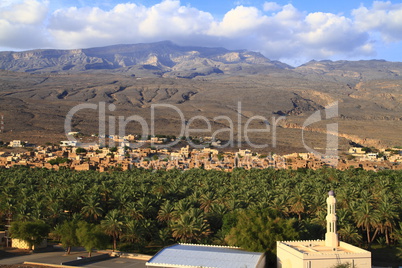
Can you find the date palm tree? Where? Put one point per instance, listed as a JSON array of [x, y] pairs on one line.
[[298, 201], [207, 200], [190, 227], [349, 234], [166, 212], [388, 215], [147, 207], [92, 209], [113, 225], [279, 204], [181, 208], [131, 210], [133, 232], [366, 217]]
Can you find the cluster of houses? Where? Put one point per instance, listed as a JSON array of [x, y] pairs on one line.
[[91, 157]]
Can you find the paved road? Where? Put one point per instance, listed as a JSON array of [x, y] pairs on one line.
[[59, 256], [46, 257], [118, 263]]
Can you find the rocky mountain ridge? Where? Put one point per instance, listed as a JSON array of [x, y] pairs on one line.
[[154, 59], [363, 70], [166, 59]]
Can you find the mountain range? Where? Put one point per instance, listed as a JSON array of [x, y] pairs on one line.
[[39, 87], [166, 59], [162, 59]]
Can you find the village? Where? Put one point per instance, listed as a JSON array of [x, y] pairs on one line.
[[76, 156]]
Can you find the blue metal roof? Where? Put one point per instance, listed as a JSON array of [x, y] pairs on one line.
[[204, 256]]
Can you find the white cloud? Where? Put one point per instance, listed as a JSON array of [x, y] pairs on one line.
[[85, 27], [6, 3], [127, 23], [278, 31], [288, 14], [239, 21], [271, 6], [21, 24], [383, 17], [25, 12], [331, 32], [170, 19]]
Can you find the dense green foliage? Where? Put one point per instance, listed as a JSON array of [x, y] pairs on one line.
[[59, 160], [80, 150], [32, 232], [91, 236], [156, 208], [66, 233], [263, 233]]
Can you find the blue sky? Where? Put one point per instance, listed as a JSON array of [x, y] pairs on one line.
[[220, 7], [290, 31]]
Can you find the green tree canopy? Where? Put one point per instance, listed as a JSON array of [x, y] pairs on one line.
[[32, 232], [67, 234], [257, 231], [80, 150], [91, 236]]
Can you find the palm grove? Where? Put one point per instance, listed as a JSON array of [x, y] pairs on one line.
[[142, 209]]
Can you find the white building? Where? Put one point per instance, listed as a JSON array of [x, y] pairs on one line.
[[16, 144], [370, 156], [322, 253], [68, 143], [196, 256]]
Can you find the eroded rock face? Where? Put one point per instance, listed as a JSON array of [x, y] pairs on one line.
[[165, 57]]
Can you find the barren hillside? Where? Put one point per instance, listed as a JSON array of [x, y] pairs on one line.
[[240, 85]]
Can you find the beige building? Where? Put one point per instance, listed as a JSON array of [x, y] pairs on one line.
[[356, 151], [18, 243], [322, 253], [16, 144]]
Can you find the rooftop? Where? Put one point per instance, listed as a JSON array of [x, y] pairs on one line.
[[189, 255], [317, 247]]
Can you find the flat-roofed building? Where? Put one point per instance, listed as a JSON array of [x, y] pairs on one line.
[[190, 255], [322, 253]]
